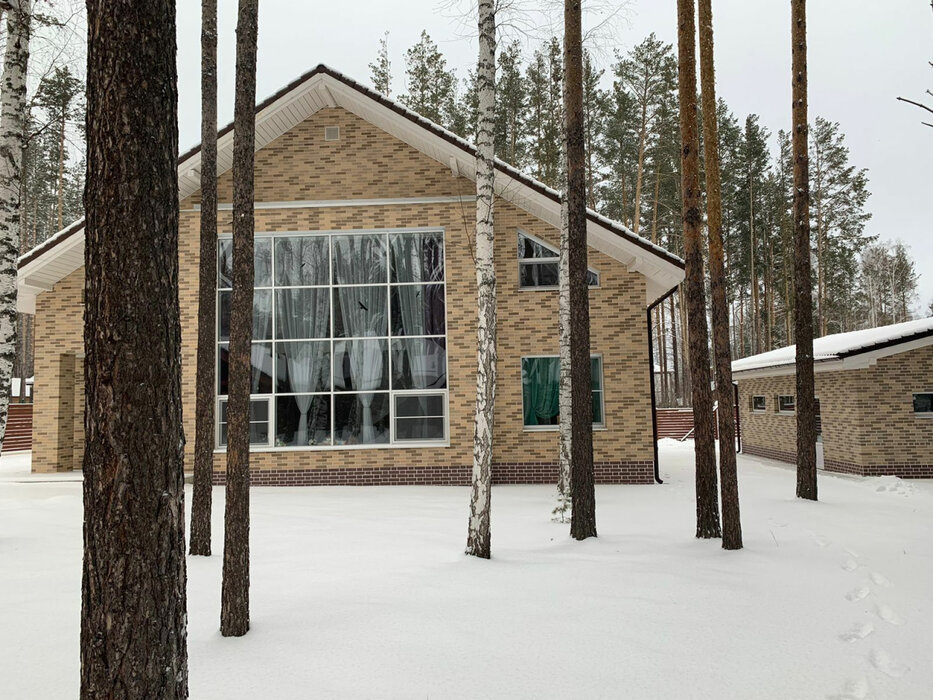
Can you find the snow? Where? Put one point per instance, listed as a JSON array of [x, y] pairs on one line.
[[365, 592], [831, 347]]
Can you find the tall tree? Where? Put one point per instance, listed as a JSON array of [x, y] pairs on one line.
[[511, 105], [707, 497], [57, 94], [803, 318], [432, 87], [582, 489], [234, 603], [731, 521], [12, 134], [200, 540], [380, 70], [133, 604], [478, 539]]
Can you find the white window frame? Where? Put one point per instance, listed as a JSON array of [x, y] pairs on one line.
[[759, 410], [539, 261], [603, 425], [920, 414], [784, 411], [391, 393]]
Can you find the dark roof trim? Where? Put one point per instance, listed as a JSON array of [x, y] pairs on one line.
[[887, 344], [464, 146]]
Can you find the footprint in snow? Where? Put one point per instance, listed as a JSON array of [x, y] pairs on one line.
[[820, 541], [879, 580], [851, 552], [887, 664], [857, 632], [858, 593], [888, 615], [849, 565], [852, 690]]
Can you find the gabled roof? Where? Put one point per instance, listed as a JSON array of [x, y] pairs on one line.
[[852, 350], [324, 87]]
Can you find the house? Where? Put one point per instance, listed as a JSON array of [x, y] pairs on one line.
[[364, 353], [875, 401]]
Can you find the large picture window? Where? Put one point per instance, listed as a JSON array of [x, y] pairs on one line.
[[349, 339], [539, 264], [541, 392]]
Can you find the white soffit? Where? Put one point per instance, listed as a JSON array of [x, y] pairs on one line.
[[63, 253]]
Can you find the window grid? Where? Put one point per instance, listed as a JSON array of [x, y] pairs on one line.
[[601, 392], [593, 275], [333, 393]]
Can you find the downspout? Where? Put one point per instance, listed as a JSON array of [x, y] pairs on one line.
[[738, 416], [654, 401]]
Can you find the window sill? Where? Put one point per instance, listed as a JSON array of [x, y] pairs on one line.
[[925, 414], [549, 288], [556, 428], [759, 412], [787, 413], [336, 448]]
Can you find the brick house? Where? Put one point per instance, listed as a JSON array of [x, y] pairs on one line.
[[875, 400], [364, 311]]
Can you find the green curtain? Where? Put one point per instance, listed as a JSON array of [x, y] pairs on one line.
[[541, 390]]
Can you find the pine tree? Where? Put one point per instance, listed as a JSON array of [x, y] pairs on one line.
[[133, 601], [478, 540], [803, 318], [200, 540], [731, 521], [12, 131], [511, 105], [707, 497], [381, 68], [582, 490], [234, 605], [432, 88], [57, 94]]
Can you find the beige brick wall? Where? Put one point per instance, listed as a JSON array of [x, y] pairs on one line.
[[869, 426], [368, 164]]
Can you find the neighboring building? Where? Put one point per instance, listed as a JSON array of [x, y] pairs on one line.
[[875, 401], [364, 353]]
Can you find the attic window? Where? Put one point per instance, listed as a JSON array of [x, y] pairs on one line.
[[539, 264], [331, 133]]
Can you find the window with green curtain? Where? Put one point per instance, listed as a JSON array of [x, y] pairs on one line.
[[541, 391]]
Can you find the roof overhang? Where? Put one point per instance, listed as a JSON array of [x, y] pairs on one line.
[[63, 253]]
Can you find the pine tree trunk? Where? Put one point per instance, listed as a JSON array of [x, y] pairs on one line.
[[234, 604], [803, 321], [642, 142], [674, 351], [206, 390], [12, 136], [133, 604], [61, 171], [478, 539], [707, 497], [753, 276], [729, 486], [583, 490]]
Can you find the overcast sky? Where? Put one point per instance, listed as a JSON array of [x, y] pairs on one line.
[[862, 55]]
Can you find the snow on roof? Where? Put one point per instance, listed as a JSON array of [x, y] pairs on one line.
[[839, 345]]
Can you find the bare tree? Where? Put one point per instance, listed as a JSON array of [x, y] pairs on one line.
[[582, 489], [133, 602], [478, 539], [704, 439], [234, 604], [729, 484], [200, 541], [12, 135], [803, 293]]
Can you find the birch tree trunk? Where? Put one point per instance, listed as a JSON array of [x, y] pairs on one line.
[[565, 404], [234, 602], [478, 538], [133, 604], [729, 484], [707, 498], [803, 318], [12, 137], [206, 389], [583, 490]]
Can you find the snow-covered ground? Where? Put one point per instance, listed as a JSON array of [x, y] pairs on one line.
[[364, 592]]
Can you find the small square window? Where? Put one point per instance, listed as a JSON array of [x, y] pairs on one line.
[[539, 265], [923, 404], [758, 403], [331, 133], [786, 404]]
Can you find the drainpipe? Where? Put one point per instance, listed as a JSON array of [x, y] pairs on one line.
[[654, 400]]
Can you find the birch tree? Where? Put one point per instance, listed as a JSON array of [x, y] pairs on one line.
[[12, 134], [234, 603], [133, 600], [729, 485], [200, 542], [478, 539], [803, 293], [707, 498], [582, 488]]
